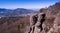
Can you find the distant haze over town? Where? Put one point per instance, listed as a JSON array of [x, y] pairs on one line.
[[23, 7]]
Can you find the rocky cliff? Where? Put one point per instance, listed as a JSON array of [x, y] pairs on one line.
[[47, 20]]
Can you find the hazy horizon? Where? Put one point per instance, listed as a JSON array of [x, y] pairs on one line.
[[28, 4]]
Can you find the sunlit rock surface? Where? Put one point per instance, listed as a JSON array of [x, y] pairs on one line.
[[47, 20]]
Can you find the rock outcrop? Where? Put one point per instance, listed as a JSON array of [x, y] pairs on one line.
[[47, 20]]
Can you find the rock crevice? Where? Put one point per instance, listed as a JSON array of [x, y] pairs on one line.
[[46, 21]]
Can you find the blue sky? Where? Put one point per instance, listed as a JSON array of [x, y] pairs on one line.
[[29, 4]]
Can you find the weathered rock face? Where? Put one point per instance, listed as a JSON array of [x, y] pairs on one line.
[[46, 21]]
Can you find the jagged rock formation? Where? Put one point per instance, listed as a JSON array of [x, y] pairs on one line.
[[47, 20]]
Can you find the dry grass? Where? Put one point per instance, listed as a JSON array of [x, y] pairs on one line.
[[14, 24]]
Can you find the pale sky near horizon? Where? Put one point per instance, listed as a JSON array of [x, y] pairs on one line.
[[29, 4]]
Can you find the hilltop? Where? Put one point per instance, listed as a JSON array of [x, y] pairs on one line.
[[48, 20]]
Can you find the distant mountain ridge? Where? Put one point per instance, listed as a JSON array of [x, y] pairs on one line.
[[15, 12]]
